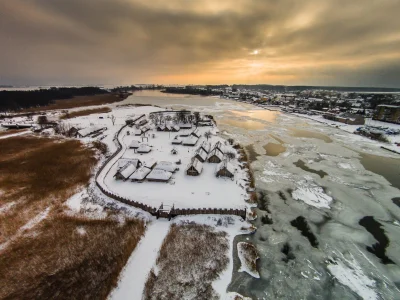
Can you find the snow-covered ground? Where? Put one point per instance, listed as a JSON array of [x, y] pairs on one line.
[[133, 277]]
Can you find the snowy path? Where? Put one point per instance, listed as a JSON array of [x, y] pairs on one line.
[[134, 275], [15, 134]]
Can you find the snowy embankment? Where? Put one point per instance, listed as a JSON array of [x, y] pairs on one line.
[[248, 256], [134, 275], [14, 134], [393, 139]]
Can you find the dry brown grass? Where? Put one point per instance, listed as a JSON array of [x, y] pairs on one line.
[[191, 257], [79, 101], [249, 256], [68, 258], [36, 173], [86, 112], [61, 257]]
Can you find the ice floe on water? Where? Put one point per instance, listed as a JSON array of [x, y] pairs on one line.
[[346, 166], [312, 194], [349, 273]]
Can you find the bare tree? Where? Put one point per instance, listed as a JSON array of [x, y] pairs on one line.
[[196, 117], [152, 117], [207, 134], [113, 118], [231, 141], [230, 155]]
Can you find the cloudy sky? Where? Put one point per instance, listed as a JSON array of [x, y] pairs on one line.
[[315, 42]]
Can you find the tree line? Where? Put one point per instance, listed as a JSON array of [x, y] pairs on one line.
[[192, 91], [16, 100]]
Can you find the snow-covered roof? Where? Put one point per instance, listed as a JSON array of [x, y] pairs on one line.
[[123, 162], [128, 170], [140, 173], [158, 174], [176, 127], [226, 165], [161, 127], [217, 153], [137, 132], [196, 164], [196, 133], [144, 148], [166, 166], [218, 146], [206, 146], [86, 131], [185, 125], [146, 128], [150, 162], [201, 153], [190, 140], [134, 144]]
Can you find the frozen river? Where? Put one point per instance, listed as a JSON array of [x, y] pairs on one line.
[[328, 214]]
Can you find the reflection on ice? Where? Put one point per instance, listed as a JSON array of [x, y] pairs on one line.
[[348, 272]]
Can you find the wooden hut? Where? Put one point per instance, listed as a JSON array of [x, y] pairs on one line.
[[215, 157], [225, 169], [143, 148], [201, 155], [196, 133], [166, 166], [205, 146], [190, 141], [122, 163], [160, 128], [175, 128], [134, 144], [194, 168], [140, 174], [158, 175], [124, 173], [218, 146]]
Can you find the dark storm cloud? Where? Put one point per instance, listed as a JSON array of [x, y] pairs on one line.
[[93, 41]]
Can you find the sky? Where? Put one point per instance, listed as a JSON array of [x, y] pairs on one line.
[[289, 42]]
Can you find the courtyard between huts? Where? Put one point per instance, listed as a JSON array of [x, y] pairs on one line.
[[180, 190]]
